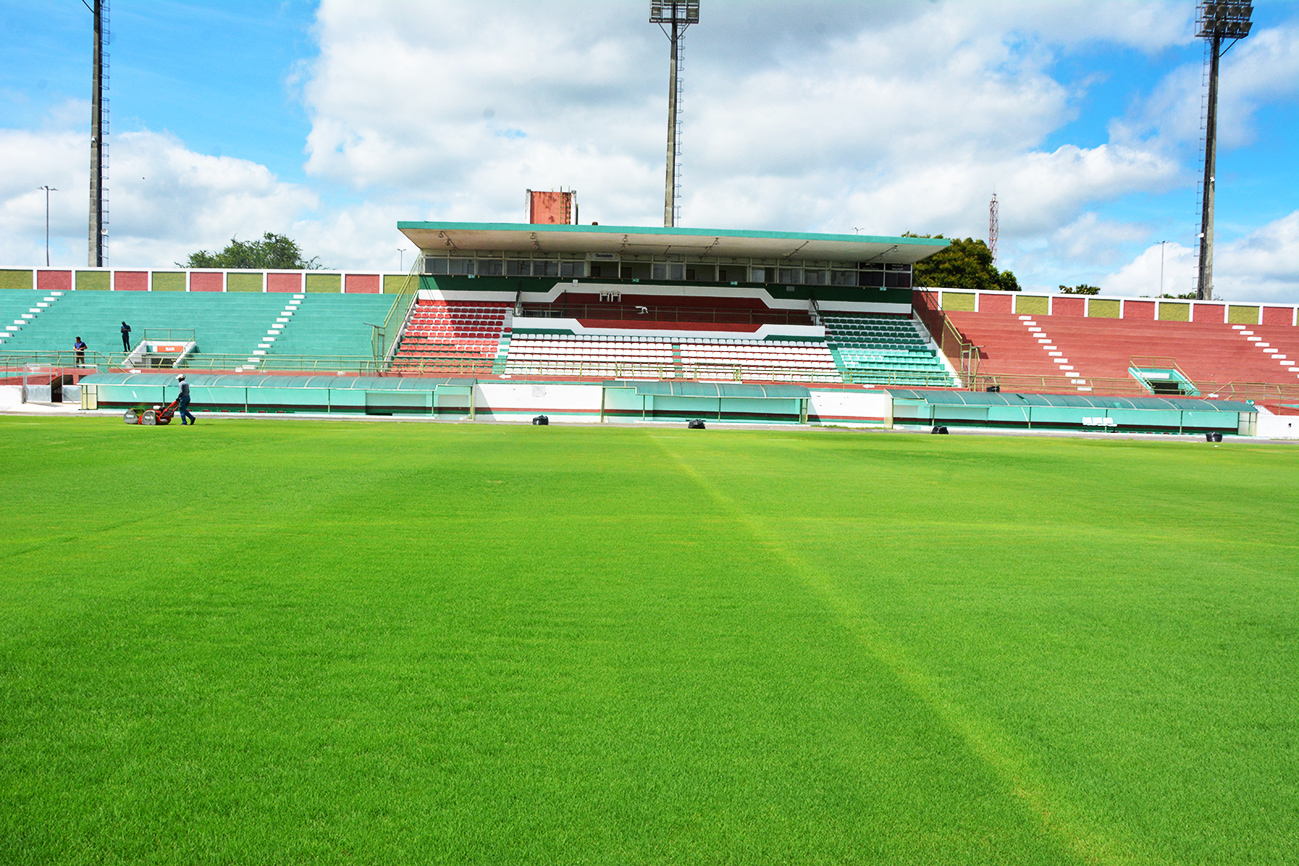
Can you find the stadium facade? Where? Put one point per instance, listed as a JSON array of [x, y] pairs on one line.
[[596, 323]]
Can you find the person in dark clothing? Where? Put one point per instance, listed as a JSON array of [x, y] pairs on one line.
[[183, 406], [80, 348], [126, 337]]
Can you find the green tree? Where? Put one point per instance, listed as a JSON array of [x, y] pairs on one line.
[[272, 253], [1080, 289], [964, 264]]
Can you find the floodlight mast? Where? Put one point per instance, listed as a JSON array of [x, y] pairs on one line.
[[98, 129], [679, 15], [1218, 21]]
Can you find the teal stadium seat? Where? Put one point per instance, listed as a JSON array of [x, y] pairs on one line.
[[884, 350]]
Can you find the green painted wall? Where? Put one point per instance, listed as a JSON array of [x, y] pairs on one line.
[[1170, 312], [1242, 315], [392, 283], [959, 302], [1101, 309], [168, 281], [324, 282], [15, 279], [237, 281], [101, 280], [1031, 306]]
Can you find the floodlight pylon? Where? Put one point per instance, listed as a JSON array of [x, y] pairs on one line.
[[98, 234], [673, 17], [1218, 21]]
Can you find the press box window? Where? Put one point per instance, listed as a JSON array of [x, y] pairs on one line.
[[664, 271]]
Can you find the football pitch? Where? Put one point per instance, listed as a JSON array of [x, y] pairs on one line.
[[269, 642]]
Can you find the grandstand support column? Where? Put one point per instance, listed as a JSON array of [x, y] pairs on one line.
[[1204, 280]]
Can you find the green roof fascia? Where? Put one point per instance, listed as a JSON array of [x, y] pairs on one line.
[[670, 232]]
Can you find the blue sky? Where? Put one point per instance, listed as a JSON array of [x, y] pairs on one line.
[[330, 121]]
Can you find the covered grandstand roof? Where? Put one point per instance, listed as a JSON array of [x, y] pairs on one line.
[[644, 241], [983, 398]]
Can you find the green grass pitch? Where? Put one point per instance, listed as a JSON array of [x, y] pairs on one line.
[[269, 642]]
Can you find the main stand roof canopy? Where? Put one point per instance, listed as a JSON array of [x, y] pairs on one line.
[[525, 239]]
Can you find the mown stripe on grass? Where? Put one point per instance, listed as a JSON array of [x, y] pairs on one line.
[[1076, 833]]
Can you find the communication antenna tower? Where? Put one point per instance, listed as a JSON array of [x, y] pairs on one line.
[[98, 252], [1217, 21], [673, 17], [994, 229]]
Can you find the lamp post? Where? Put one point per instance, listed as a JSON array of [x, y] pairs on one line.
[[48, 189]]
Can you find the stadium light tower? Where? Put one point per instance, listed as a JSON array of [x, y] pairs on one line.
[[673, 17], [1218, 21], [98, 130]]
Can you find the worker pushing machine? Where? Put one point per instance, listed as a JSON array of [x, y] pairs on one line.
[[184, 401]]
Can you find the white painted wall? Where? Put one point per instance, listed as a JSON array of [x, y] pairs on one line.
[[569, 404], [1272, 426], [851, 408]]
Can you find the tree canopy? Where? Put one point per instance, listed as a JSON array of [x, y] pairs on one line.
[[1080, 289], [272, 253], [964, 264]]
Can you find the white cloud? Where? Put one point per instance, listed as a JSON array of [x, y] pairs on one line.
[[1262, 266], [165, 201], [825, 117], [1142, 276], [1257, 71]]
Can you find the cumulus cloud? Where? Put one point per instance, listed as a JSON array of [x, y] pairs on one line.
[[1257, 71], [165, 201], [1261, 266], [1173, 268], [885, 116]]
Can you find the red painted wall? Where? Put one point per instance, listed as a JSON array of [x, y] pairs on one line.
[[54, 281], [1074, 308], [131, 281], [205, 282], [1278, 316], [367, 284], [1144, 310], [284, 282], [996, 302]]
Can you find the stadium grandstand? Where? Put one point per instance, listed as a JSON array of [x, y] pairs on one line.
[[598, 322]]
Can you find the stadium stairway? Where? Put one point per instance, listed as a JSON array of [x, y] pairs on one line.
[[19, 309], [322, 326], [223, 323], [1089, 349], [885, 349]]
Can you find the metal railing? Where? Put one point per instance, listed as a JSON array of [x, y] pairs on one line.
[[105, 362], [384, 337], [184, 335], [638, 313]]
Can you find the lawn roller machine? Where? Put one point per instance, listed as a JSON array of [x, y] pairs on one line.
[[152, 415]]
